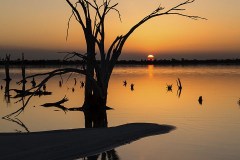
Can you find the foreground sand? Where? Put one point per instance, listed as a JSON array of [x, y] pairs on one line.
[[70, 144]]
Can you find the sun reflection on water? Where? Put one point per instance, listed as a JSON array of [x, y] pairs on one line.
[[150, 71]]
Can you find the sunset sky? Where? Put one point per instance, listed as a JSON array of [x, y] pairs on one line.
[[38, 28]]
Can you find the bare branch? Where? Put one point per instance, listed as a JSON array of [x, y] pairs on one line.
[[110, 50], [113, 8], [191, 17], [71, 55], [76, 13], [68, 24], [50, 75], [181, 4]]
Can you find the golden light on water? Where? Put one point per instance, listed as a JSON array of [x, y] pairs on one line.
[[149, 102], [150, 71]]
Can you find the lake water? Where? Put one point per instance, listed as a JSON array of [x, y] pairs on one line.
[[210, 131]]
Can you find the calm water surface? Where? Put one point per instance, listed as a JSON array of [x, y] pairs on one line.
[[208, 131]]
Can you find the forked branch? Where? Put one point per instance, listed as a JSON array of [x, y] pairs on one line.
[[117, 45]]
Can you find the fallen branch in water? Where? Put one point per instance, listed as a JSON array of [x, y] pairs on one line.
[[56, 104], [21, 93]]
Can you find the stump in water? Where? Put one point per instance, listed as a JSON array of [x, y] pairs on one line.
[[7, 61]]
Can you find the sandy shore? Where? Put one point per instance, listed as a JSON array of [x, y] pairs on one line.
[[76, 143]]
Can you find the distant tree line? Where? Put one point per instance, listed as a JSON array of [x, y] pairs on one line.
[[183, 62], [131, 62]]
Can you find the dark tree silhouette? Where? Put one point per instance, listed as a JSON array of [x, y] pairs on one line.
[[93, 27], [91, 16]]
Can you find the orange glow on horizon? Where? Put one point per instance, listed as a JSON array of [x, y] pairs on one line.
[[45, 27]]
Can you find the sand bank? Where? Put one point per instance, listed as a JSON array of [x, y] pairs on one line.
[[76, 143]]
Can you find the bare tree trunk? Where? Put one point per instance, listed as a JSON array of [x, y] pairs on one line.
[[7, 60], [7, 79], [90, 71], [24, 81], [95, 118], [98, 119]]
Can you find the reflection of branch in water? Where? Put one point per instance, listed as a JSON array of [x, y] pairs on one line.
[[179, 84], [17, 121], [109, 155], [59, 107], [112, 154], [179, 92], [239, 102], [7, 95]]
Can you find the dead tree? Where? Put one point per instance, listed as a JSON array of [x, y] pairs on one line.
[[94, 31], [91, 16], [179, 84], [24, 81], [7, 61], [7, 79]]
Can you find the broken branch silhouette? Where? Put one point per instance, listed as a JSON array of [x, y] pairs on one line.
[[38, 87]]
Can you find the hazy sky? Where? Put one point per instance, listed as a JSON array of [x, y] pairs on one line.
[[38, 28]]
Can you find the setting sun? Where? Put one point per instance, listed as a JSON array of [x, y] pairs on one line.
[[150, 57]]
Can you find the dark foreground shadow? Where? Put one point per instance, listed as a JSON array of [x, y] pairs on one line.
[[76, 143], [94, 142]]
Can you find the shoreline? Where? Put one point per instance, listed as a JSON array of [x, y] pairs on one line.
[[163, 62], [75, 143]]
